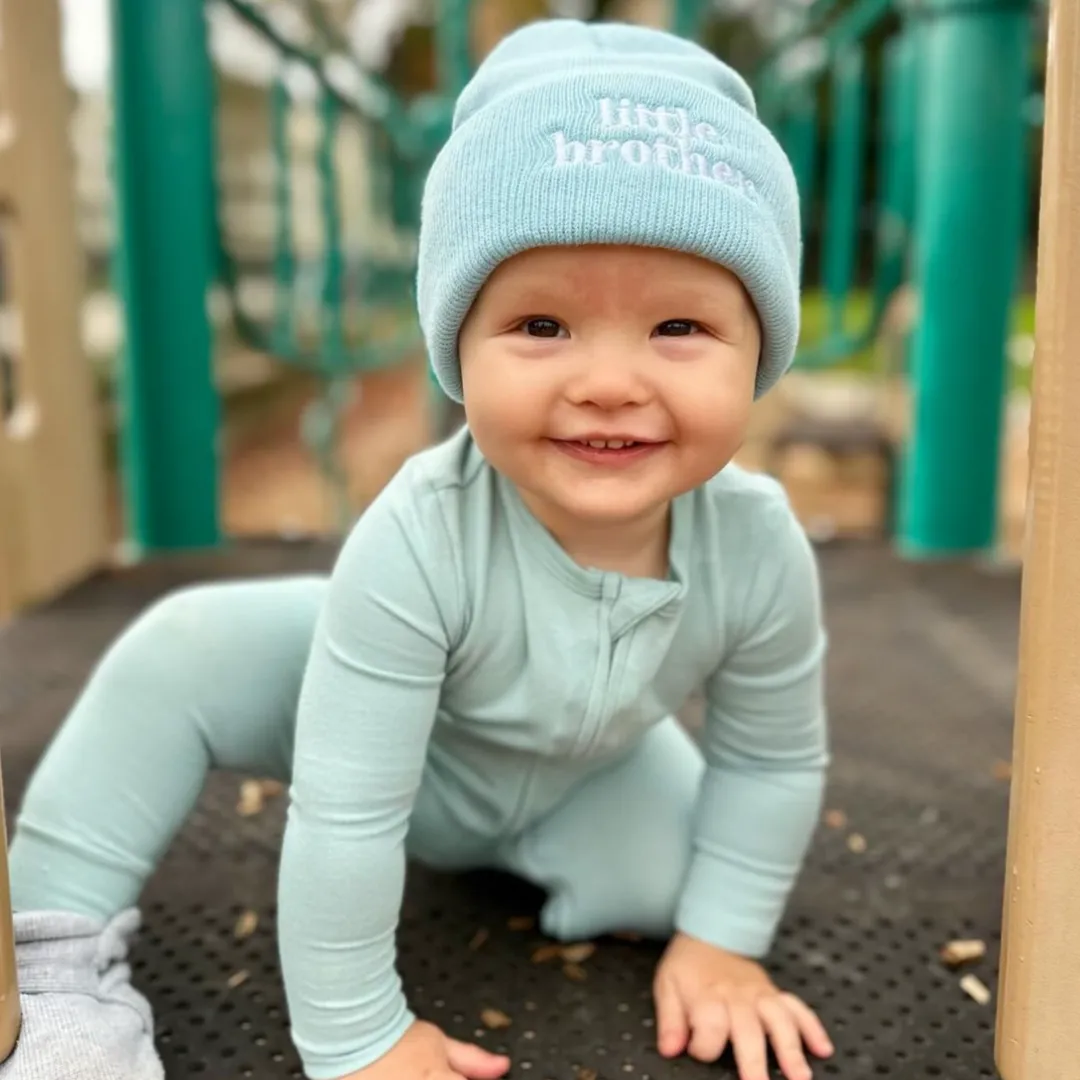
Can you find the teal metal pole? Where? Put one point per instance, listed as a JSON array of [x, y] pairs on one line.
[[687, 18], [973, 79], [452, 46], [800, 141], [843, 196], [163, 143], [896, 166]]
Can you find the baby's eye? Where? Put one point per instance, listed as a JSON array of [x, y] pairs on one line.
[[542, 328], [677, 328]]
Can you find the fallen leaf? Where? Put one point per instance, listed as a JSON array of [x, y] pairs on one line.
[[856, 843], [1002, 770], [246, 925], [578, 954], [272, 788], [955, 953], [575, 972], [479, 939], [495, 1019], [237, 979], [544, 953], [587, 1074], [628, 935], [835, 819], [521, 922], [251, 799], [975, 989]]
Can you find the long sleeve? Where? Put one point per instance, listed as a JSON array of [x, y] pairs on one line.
[[766, 751], [366, 712]]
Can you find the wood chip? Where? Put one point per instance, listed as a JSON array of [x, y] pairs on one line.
[[587, 1074], [238, 978], [835, 819], [975, 989], [495, 1019], [246, 925], [955, 953], [578, 954], [254, 793], [856, 842], [543, 953], [575, 972], [1002, 770], [521, 922], [252, 800], [628, 935], [479, 939]]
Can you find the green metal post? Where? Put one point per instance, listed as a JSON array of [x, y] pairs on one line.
[[973, 80], [284, 338], [332, 329], [687, 17], [896, 163], [452, 45], [162, 93], [799, 135], [844, 182]]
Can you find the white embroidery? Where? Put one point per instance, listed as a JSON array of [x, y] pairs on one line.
[[662, 136]]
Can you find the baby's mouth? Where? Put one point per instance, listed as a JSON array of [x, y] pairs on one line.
[[608, 451]]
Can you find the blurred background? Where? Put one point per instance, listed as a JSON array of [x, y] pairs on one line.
[[207, 225]]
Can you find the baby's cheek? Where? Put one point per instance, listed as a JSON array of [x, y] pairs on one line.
[[713, 419]]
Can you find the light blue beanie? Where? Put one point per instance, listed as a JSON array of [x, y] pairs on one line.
[[601, 133]]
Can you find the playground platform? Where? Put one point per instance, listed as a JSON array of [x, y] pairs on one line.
[[909, 855]]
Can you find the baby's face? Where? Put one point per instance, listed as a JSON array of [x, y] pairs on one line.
[[604, 381]]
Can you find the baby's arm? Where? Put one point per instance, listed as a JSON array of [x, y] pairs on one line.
[[366, 710], [766, 748]]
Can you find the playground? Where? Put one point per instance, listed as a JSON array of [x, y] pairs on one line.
[[212, 366]]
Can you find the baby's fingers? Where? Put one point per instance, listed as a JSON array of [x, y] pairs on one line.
[[786, 1039], [748, 1041], [474, 1062], [812, 1029], [711, 1026], [671, 1027]]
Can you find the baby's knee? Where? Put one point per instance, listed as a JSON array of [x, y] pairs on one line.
[[650, 889], [171, 630], [200, 627], [634, 890]]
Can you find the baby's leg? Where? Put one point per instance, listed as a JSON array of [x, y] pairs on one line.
[[207, 678], [614, 855]]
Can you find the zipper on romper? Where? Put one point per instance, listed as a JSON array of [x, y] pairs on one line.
[[592, 722]]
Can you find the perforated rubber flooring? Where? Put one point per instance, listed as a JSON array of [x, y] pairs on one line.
[[921, 676]]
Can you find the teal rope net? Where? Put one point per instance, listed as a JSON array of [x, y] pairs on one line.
[[344, 304]]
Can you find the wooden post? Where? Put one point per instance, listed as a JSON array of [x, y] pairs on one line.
[[10, 1010], [1040, 976], [52, 476]]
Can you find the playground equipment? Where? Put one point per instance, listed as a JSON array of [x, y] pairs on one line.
[[953, 83], [52, 481], [1041, 948], [168, 204], [949, 206]]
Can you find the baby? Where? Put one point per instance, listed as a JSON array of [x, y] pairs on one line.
[[608, 278]]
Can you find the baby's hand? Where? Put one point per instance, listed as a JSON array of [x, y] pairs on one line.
[[425, 1053], [706, 997]]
